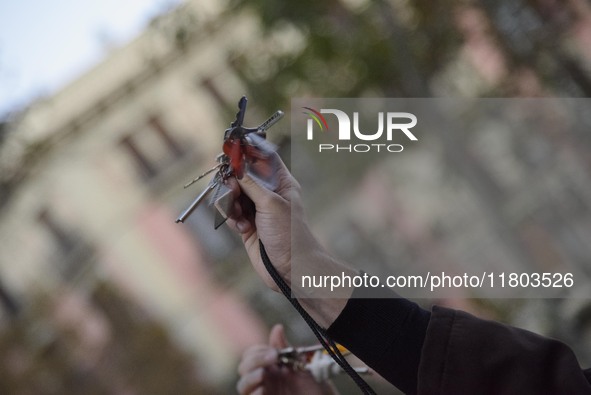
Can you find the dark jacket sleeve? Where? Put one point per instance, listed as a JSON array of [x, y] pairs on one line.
[[466, 355], [452, 352], [386, 332]]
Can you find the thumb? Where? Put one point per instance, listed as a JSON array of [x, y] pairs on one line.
[[255, 191], [277, 337]]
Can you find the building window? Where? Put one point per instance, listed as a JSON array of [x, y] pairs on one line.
[[152, 148], [72, 253], [63, 241], [211, 88]]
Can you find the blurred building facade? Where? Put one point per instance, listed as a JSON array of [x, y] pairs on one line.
[[492, 195], [96, 174], [92, 177]]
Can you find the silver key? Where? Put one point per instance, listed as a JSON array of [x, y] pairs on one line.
[[210, 187]]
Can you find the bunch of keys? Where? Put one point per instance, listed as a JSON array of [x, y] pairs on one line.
[[244, 150], [314, 359]]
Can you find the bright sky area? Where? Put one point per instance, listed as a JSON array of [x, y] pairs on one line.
[[46, 44]]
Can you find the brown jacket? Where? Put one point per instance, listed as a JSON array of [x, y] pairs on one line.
[[449, 352], [463, 354]]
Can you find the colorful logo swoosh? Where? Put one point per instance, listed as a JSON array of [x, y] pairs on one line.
[[317, 117]]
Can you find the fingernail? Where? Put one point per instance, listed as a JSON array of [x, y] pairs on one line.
[[241, 226]]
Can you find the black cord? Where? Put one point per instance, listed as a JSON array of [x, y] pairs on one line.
[[318, 331]]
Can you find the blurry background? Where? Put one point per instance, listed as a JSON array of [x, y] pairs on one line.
[[102, 293]]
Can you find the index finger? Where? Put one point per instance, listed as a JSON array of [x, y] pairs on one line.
[[257, 358]]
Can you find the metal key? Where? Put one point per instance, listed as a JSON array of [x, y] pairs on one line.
[[244, 149], [224, 204], [273, 119], [193, 181], [210, 187]]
